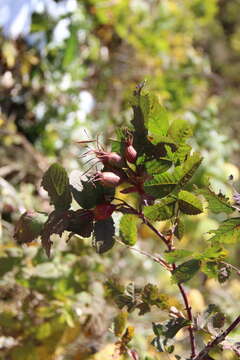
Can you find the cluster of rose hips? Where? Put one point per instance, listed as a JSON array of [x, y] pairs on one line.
[[117, 170]]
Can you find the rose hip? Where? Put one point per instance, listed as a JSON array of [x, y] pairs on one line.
[[107, 178], [130, 154], [109, 158]]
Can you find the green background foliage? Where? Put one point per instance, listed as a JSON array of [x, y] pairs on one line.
[[50, 91]]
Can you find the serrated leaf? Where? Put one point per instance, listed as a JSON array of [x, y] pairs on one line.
[[157, 166], [55, 181], [217, 203], [180, 129], [212, 253], [177, 255], [156, 117], [161, 211], [163, 184], [57, 223], [128, 229], [186, 271], [104, 232], [227, 233], [189, 204], [189, 167]]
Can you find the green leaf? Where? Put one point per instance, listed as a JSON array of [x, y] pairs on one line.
[[210, 268], [71, 47], [177, 255], [128, 229], [156, 116], [227, 233], [166, 331], [8, 263], [189, 204], [152, 296], [212, 253], [163, 184], [55, 181], [180, 130], [186, 271], [161, 211], [104, 232], [157, 166], [189, 167], [217, 203]]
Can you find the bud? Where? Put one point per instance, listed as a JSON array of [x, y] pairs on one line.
[[103, 211], [29, 227], [107, 178], [130, 154]]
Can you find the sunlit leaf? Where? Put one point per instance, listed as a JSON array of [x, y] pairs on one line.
[[227, 233], [189, 204], [128, 229], [186, 270]]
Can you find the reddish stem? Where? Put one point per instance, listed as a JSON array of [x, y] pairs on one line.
[[190, 317], [217, 340]]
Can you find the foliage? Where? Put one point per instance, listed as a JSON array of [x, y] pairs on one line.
[[74, 69], [160, 196]]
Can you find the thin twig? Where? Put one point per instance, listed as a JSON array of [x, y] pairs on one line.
[[157, 259], [182, 291], [190, 318], [218, 339], [157, 232]]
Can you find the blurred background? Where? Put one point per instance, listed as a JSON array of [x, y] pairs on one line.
[[67, 69]]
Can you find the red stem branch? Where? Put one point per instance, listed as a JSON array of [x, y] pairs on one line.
[[217, 340]]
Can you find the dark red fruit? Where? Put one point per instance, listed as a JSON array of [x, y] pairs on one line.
[[103, 211]]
